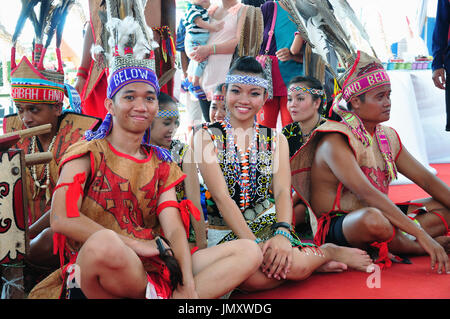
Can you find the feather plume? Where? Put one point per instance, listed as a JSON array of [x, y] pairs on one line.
[[346, 15], [45, 8], [140, 18], [298, 19], [27, 8], [332, 28], [317, 37], [53, 23], [96, 52], [67, 4]]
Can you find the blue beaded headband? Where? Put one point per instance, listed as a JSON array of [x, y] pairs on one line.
[[168, 113], [247, 79]]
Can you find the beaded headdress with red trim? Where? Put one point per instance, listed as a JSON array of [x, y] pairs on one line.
[[31, 81]]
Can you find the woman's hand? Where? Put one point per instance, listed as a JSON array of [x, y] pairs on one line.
[[201, 53], [277, 253], [284, 54]]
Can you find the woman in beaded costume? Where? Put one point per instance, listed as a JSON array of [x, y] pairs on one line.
[[115, 202], [306, 100], [239, 182], [163, 129]]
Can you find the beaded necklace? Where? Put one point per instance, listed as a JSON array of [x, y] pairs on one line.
[[246, 176], [37, 182]]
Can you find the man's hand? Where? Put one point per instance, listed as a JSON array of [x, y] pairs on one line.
[[439, 78], [436, 252], [187, 291], [147, 248]]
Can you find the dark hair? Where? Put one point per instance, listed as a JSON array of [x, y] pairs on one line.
[[312, 83], [361, 97], [219, 88], [165, 99], [167, 256], [247, 64]]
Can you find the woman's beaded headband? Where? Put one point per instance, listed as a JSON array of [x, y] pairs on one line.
[[321, 93], [247, 79], [218, 97], [168, 113]]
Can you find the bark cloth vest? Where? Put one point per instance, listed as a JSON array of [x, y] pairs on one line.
[[71, 129], [370, 160], [121, 194]]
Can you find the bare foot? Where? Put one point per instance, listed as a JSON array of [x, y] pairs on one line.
[[444, 241], [354, 258], [332, 266]]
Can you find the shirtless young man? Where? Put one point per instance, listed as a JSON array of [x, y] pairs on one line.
[[351, 165]]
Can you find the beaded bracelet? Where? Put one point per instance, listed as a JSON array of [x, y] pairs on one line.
[[281, 224], [283, 233], [258, 240]]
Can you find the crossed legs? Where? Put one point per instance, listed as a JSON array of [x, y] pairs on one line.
[[110, 269], [369, 225]]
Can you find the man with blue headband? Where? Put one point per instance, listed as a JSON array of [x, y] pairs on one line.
[[115, 203]]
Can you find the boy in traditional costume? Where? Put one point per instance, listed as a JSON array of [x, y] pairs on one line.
[[39, 93], [345, 169], [115, 199]]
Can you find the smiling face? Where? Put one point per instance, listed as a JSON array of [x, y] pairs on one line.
[[301, 105], [217, 111], [164, 128], [376, 106], [243, 101], [133, 107]]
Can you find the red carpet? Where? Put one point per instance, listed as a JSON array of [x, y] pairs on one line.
[[401, 281]]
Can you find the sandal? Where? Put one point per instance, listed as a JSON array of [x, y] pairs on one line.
[[197, 91], [185, 85]]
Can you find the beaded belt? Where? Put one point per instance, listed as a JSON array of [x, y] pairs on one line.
[[249, 214]]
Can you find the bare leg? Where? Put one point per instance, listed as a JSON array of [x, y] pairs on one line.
[[365, 226], [300, 212], [431, 223], [219, 269], [333, 258], [41, 250], [110, 269]]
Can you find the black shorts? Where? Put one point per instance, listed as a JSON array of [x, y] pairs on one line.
[[335, 233]]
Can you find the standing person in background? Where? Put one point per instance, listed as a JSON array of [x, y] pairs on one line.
[[255, 3], [441, 53], [220, 48], [285, 65], [198, 28], [192, 105]]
